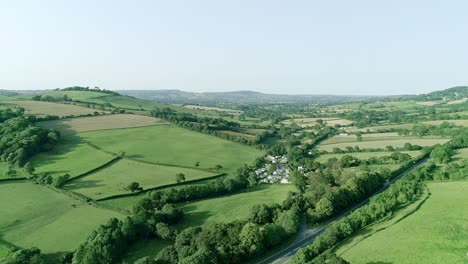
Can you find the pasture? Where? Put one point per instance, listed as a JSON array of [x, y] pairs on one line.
[[232, 207], [435, 233], [379, 127], [41, 109], [175, 146], [396, 143], [365, 155], [73, 156], [84, 124], [113, 179], [34, 215]]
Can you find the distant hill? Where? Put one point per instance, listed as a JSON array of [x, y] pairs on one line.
[[236, 97], [454, 93]]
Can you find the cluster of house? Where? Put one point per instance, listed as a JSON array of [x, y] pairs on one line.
[[280, 174]]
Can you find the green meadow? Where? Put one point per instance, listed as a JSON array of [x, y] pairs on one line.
[[73, 157], [36, 216], [435, 233], [232, 207], [175, 146], [365, 155], [113, 179]]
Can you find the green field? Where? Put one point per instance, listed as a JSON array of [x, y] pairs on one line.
[[113, 179], [365, 155], [173, 145], [232, 207], [73, 156], [384, 143], [436, 233], [34, 215], [457, 122], [93, 123], [460, 154], [42, 109]]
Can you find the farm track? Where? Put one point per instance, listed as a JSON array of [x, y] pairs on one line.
[[307, 236]]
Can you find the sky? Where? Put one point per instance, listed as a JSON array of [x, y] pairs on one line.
[[287, 47]]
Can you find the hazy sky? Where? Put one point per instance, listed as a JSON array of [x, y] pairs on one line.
[[301, 47]]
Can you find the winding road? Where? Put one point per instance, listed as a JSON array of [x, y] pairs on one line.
[[307, 236]]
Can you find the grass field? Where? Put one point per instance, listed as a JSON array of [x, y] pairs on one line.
[[73, 156], [173, 145], [34, 215], [436, 233], [113, 179], [380, 127], [460, 154], [42, 109], [365, 155], [3, 252], [383, 143], [232, 207], [365, 137], [83, 124], [457, 122]]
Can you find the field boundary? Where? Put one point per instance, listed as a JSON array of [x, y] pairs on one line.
[[103, 166], [112, 197]]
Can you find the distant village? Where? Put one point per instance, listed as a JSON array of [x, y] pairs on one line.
[[274, 171]]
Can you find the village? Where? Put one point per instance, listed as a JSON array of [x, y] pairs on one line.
[[274, 171]]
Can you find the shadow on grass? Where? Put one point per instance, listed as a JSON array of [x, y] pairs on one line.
[[80, 184], [379, 262]]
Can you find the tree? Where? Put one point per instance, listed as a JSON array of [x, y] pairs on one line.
[[61, 180], [442, 153], [299, 180], [29, 168], [180, 177], [359, 136], [134, 187], [251, 239], [218, 167], [197, 164], [9, 172], [24, 256]]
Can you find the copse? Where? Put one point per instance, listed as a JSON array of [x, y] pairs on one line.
[[20, 140]]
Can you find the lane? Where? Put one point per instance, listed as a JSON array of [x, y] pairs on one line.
[[284, 256]]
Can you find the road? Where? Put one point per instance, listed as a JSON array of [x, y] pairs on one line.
[[307, 236]]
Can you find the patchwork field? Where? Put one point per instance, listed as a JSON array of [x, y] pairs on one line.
[[173, 145], [380, 127], [365, 137], [200, 107], [365, 155], [83, 124], [307, 122], [34, 215], [42, 109], [435, 233], [457, 122], [232, 207], [113, 179], [383, 143], [73, 157]]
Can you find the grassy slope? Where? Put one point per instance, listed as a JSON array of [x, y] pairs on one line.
[[232, 207], [436, 233], [73, 157], [173, 145], [113, 179], [33, 215], [41, 109]]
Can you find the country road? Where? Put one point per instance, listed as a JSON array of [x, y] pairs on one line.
[[307, 236]]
